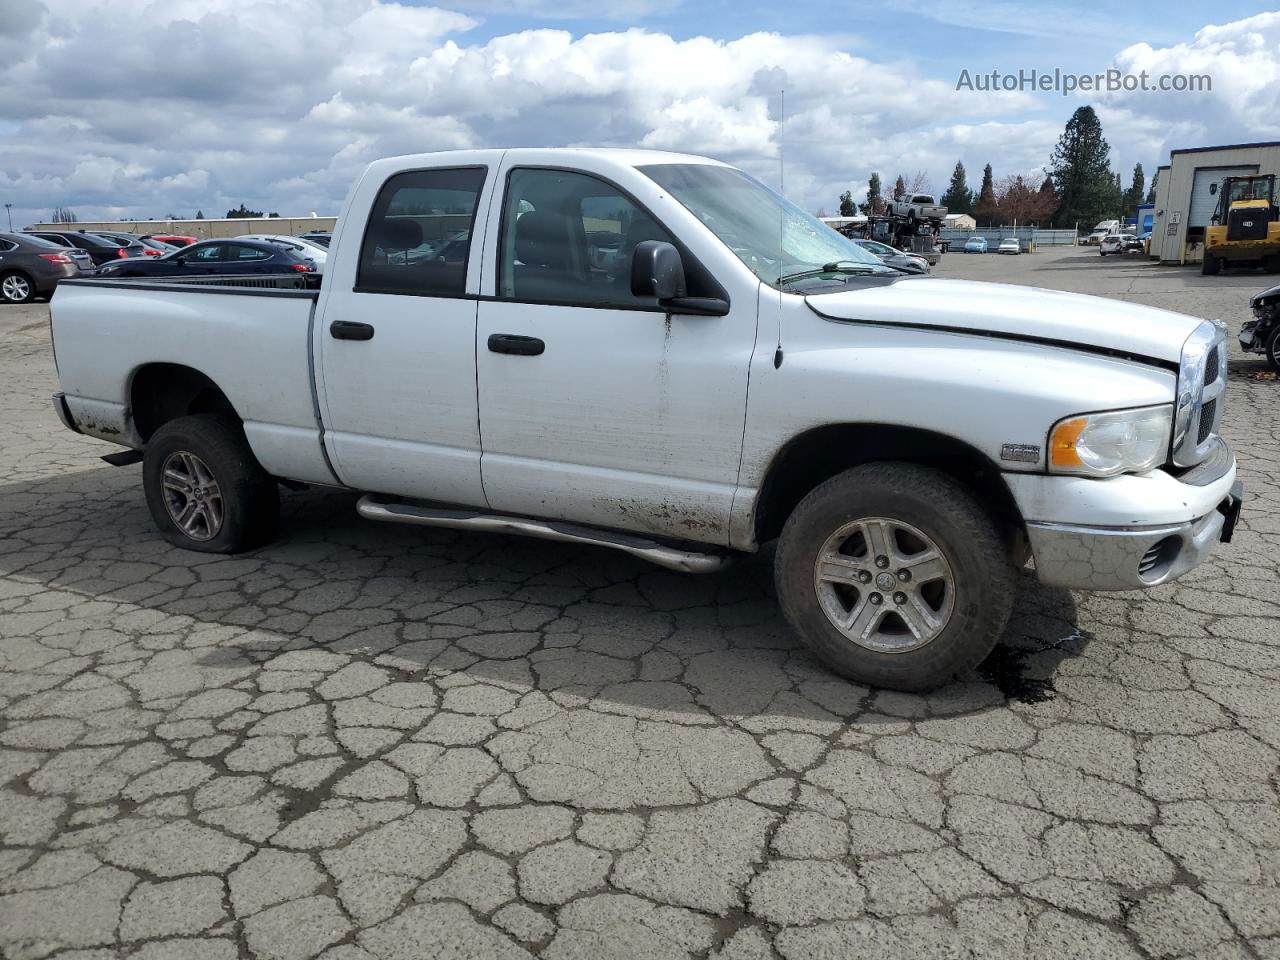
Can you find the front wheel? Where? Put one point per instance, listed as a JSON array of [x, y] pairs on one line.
[[205, 489], [1273, 348], [894, 576], [1210, 266]]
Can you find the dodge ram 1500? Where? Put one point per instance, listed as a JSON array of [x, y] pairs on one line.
[[655, 353]]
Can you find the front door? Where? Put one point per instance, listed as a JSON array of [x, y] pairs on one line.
[[596, 405], [396, 343]]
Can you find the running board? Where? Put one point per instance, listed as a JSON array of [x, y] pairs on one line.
[[684, 561]]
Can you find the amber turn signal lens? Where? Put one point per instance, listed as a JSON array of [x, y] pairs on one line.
[[1062, 444]]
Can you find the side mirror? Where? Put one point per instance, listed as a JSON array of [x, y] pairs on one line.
[[657, 271]]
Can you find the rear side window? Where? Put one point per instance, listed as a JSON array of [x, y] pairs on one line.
[[239, 251], [418, 238]]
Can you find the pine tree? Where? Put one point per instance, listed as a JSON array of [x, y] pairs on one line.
[[1151, 194], [1133, 196], [986, 209], [847, 206], [958, 198], [899, 188], [199, 214], [874, 204], [1081, 167]]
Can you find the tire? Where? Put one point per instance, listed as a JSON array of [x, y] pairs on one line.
[[1273, 348], [16, 287], [1102, 253], [1210, 266], [1271, 263], [921, 507], [236, 505]]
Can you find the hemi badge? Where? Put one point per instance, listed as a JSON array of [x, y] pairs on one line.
[[1020, 452]]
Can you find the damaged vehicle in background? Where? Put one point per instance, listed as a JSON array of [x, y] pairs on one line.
[[656, 354], [1262, 334]]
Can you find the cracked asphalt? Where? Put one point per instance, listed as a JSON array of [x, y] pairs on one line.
[[367, 741]]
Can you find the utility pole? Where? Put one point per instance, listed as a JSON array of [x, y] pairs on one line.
[[8, 208]]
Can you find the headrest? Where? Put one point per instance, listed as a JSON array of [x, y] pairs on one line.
[[400, 234], [542, 240]]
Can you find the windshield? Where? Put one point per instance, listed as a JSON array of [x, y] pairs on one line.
[[771, 235]]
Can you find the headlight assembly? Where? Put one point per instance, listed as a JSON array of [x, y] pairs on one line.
[[1107, 444]]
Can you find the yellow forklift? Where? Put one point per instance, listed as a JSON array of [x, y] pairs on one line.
[[1245, 227]]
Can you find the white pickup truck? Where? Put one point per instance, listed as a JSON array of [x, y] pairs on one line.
[[918, 206], [657, 354]]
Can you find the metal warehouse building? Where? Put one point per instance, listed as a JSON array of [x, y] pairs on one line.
[[1187, 193]]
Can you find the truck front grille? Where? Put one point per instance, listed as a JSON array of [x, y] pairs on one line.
[[1202, 383]]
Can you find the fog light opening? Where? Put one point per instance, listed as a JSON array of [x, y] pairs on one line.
[[1155, 563]]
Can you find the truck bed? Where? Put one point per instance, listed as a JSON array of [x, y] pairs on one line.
[[250, 335]]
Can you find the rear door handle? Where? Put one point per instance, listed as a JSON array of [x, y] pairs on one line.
[[350, 330], [516, 344]]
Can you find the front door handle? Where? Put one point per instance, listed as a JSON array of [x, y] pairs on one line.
[[350, 330], [516, 344]]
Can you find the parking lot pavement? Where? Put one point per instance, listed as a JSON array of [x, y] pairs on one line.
[[371, 741]]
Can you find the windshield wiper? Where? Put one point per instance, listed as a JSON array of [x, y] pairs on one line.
[[853, 267]]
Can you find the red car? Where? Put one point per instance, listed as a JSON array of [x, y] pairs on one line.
[[170, 239]]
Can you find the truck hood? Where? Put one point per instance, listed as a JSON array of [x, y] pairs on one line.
[[1015, 312]]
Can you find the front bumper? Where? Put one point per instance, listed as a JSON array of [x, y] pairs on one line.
[[1127, 533]]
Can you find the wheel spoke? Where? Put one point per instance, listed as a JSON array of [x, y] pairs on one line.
[[925, 566], [880, 539], [839, 569], [187, 518], [174, 480], [213, 514], [864, 618], [920, 620]]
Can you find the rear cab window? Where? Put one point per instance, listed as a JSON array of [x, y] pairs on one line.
[[418, 238]]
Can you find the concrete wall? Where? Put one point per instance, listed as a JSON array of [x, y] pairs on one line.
[[202, 229], [1178, 246]]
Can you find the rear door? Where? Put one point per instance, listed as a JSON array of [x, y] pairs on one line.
[[396, 339]]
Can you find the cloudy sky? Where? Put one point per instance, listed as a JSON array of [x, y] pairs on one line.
[[119, 108]]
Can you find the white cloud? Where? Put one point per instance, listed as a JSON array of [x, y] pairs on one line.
[[144, 107], [1243, 61]]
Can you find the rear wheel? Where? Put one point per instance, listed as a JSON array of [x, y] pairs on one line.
[[16, 287], [205, 489], [1211, 265], [895, 576], [1271, 264]]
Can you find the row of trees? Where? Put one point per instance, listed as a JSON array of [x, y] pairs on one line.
[[1078, 186], [67, 215]]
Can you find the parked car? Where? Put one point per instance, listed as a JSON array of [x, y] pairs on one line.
[[1262, 334], [906, 262], [319, 236], [100, 249], [150, 247], [172, 239], [975, 245], [918, 206], [909, 442], [1009, 245], [214, 257], [31, 267], [305, 248], [1118, 243]]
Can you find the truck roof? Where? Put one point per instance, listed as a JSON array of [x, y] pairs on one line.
[[622, 156]]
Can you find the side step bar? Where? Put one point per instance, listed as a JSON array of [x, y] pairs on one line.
[[684, 561]]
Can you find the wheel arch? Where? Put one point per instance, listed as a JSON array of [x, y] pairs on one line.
[[816, 455], [161, 392]]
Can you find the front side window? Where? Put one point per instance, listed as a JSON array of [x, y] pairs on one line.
[[212, 251], [568, 238], [777, 240], [418, 238]]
